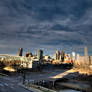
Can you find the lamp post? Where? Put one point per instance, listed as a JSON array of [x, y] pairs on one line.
[[23, 72]]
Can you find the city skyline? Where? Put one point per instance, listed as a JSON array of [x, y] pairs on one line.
[[47, 25], [22, 52]]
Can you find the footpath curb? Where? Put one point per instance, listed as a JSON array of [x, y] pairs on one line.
[[30, 89], [35, 88]]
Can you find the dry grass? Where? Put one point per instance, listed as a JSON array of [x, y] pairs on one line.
[[79, 70]]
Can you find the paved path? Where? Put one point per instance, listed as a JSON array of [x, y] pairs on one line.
[[10, 83], [11, 86]]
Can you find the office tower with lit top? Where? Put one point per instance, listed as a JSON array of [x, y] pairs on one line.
[[85, 51]]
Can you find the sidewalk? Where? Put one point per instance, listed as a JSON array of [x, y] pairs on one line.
[[35, 88]]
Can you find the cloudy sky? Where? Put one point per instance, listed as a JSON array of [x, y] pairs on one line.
[[45, 24]]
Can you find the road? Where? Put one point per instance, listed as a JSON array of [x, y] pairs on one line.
[[7, 85], [10, 83]]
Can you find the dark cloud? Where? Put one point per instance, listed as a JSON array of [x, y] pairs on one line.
[[46, 24]]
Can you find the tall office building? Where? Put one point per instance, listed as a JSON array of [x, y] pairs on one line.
[[85, 51], [40, 54], [62, 56], [57, 55], [20, 52], [73, 56]]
